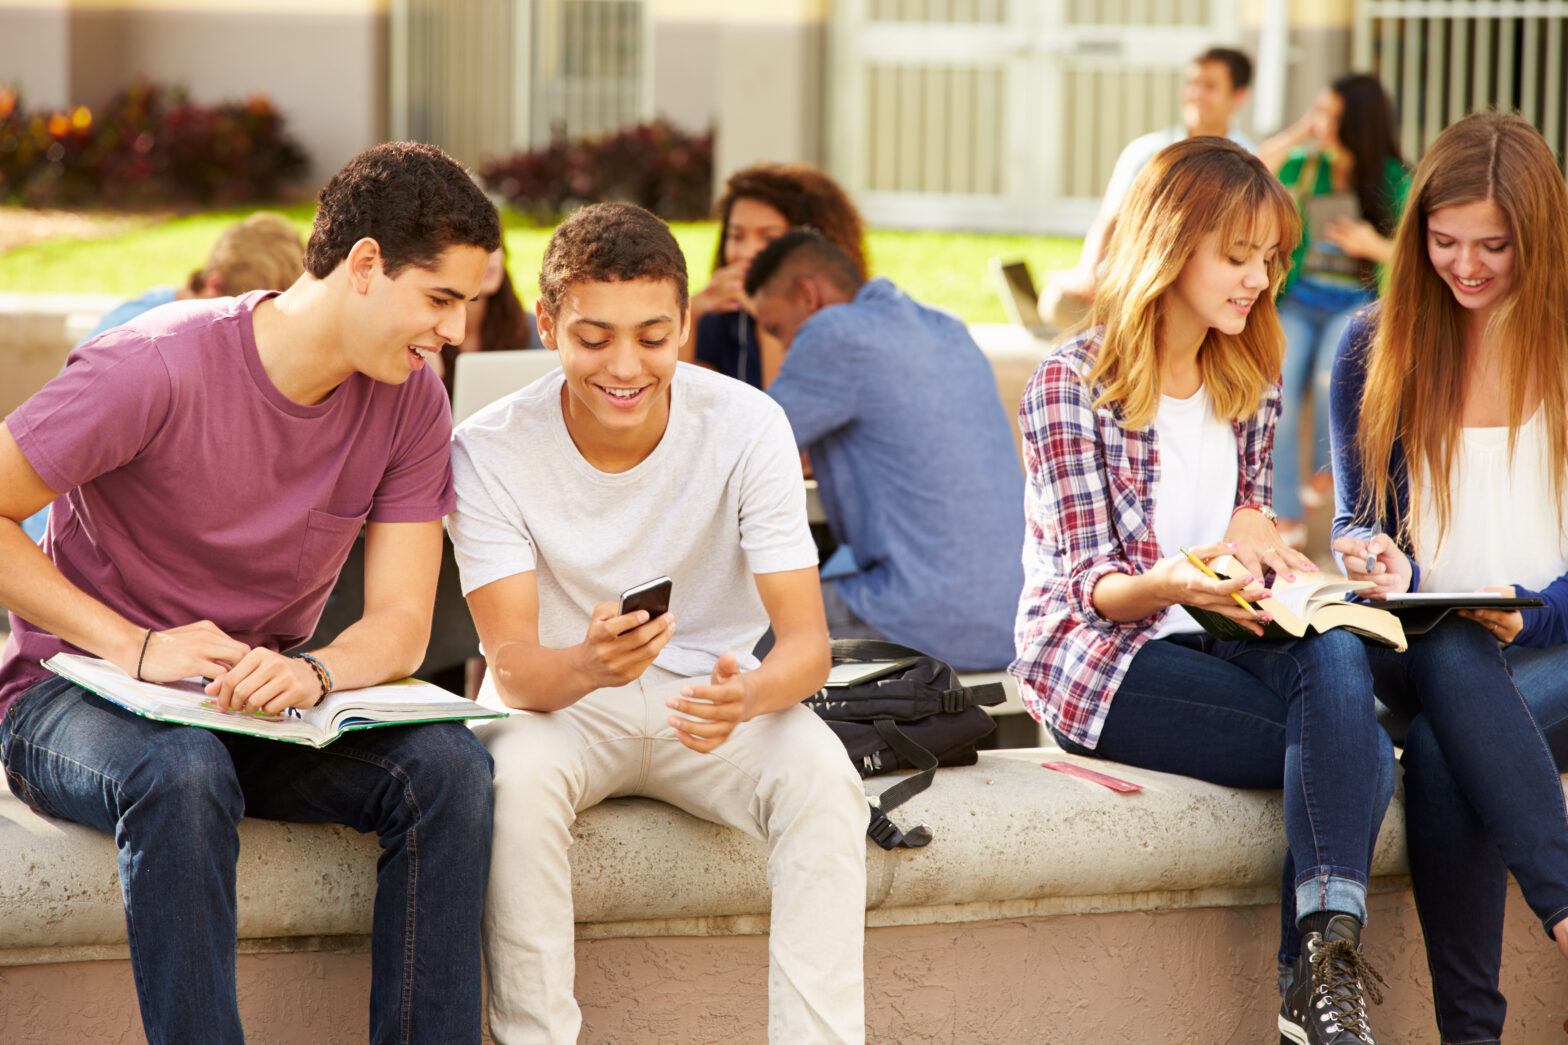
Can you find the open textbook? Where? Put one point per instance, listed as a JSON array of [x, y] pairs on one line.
[[393, 703], [1316, 601]]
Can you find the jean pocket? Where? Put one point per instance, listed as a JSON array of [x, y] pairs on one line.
[[326, 545]]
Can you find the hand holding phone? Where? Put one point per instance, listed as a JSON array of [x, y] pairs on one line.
[[618, 647], [652, 596]]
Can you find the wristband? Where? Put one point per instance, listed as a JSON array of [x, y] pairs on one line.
[[139, 660], [1262, 509], [323, 676]]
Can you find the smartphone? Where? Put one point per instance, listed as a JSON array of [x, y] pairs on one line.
[[653, 596]]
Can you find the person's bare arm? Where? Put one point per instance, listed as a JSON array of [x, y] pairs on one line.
[[533, 677], [402, 562], [32, 587], [794, 668]]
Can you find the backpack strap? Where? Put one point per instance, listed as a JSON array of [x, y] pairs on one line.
[[882, 830]]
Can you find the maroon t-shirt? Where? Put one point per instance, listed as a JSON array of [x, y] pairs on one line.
[[195, 490]]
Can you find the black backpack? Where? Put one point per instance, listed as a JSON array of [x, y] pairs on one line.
[[919, 717]]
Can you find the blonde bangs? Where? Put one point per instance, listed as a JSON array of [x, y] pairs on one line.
[[1190, 190]]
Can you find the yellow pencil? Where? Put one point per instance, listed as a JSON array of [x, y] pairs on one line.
[[1200, 564]]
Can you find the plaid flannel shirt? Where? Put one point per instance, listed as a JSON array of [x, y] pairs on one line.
[[1090, 510]]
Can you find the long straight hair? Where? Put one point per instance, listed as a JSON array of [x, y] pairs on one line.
[[1415, 377], [1368, 132], [1190, 189]]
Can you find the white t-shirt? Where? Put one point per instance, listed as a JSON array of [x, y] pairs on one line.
[[1196, 491], [720, 499], [1137, 155], [1504, 527]]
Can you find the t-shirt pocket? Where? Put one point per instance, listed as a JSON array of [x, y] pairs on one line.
[[326, 545]]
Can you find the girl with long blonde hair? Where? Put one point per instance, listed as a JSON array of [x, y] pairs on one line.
[[1150, 431], [1450, 416]]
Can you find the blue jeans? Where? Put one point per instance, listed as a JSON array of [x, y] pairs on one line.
[[172, 796], [1312, 333], [1297, 714], [1482, 797]]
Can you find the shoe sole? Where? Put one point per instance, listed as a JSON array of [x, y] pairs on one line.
[[1288, 1033]]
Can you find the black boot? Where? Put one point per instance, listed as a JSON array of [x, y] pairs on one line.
[[1324, 1005]]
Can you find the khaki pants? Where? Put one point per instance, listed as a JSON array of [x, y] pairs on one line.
[[782, 778]]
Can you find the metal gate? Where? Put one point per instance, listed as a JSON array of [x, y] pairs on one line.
[[481, 78], [1441, 60], [1003, 114]]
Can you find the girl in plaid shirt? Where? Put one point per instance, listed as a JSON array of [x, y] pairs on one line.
[[1151, 430]]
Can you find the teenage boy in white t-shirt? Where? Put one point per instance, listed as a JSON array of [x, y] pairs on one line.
[[622, 466]]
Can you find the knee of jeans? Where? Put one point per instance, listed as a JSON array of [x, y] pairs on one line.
[[454, 770], [188, 777], [1336, 663]]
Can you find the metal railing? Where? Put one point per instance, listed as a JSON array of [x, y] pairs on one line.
[[485, 77], [1441, 59]]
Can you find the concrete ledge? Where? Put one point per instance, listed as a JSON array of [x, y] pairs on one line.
[[1045, 901], [1012, 839]]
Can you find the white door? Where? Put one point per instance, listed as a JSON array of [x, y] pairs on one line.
[[1003, 114]]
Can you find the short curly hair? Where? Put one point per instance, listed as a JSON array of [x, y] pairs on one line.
[[805, 196], [610, 243], [413, 199]]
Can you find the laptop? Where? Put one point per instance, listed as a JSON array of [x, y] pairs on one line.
[[1020, 297], [481, 378]]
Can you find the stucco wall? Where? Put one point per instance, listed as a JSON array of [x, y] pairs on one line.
[[323, 65], [1194, 975]]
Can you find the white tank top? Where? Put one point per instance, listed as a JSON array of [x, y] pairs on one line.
[[1504, 527]]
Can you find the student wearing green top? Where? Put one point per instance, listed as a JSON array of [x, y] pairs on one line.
[[1341, 161]]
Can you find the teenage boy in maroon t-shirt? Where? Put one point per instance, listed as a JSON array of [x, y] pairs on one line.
[[214, 461]]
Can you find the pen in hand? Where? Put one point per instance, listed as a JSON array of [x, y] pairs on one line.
[[1200, 564]]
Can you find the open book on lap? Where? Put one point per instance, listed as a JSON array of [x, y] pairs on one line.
[[1313, 602], [404, 702]]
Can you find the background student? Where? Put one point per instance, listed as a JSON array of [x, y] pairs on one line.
[[1450, 417], [1214, 88], [213, 461], [1150, 431], [911, 448], [760, 203], [1344, 152], [497, 321], [619, 467]]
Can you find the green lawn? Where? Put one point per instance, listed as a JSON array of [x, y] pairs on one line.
[[944, 268]]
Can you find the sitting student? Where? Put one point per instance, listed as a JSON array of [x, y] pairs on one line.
[[1148, 432], [1450, 413], [263, 252], [1214, 88], [619, 467], [214, 460], [760, 204], [911, 449]]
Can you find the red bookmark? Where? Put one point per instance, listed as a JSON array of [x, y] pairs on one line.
[[1099, 778]]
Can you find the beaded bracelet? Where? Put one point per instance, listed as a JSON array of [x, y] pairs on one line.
[[322, 675]]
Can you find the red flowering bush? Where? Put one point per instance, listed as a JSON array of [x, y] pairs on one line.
[[150, 144], [655, 165]]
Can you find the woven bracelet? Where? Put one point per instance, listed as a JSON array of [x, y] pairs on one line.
[[323, 676]]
